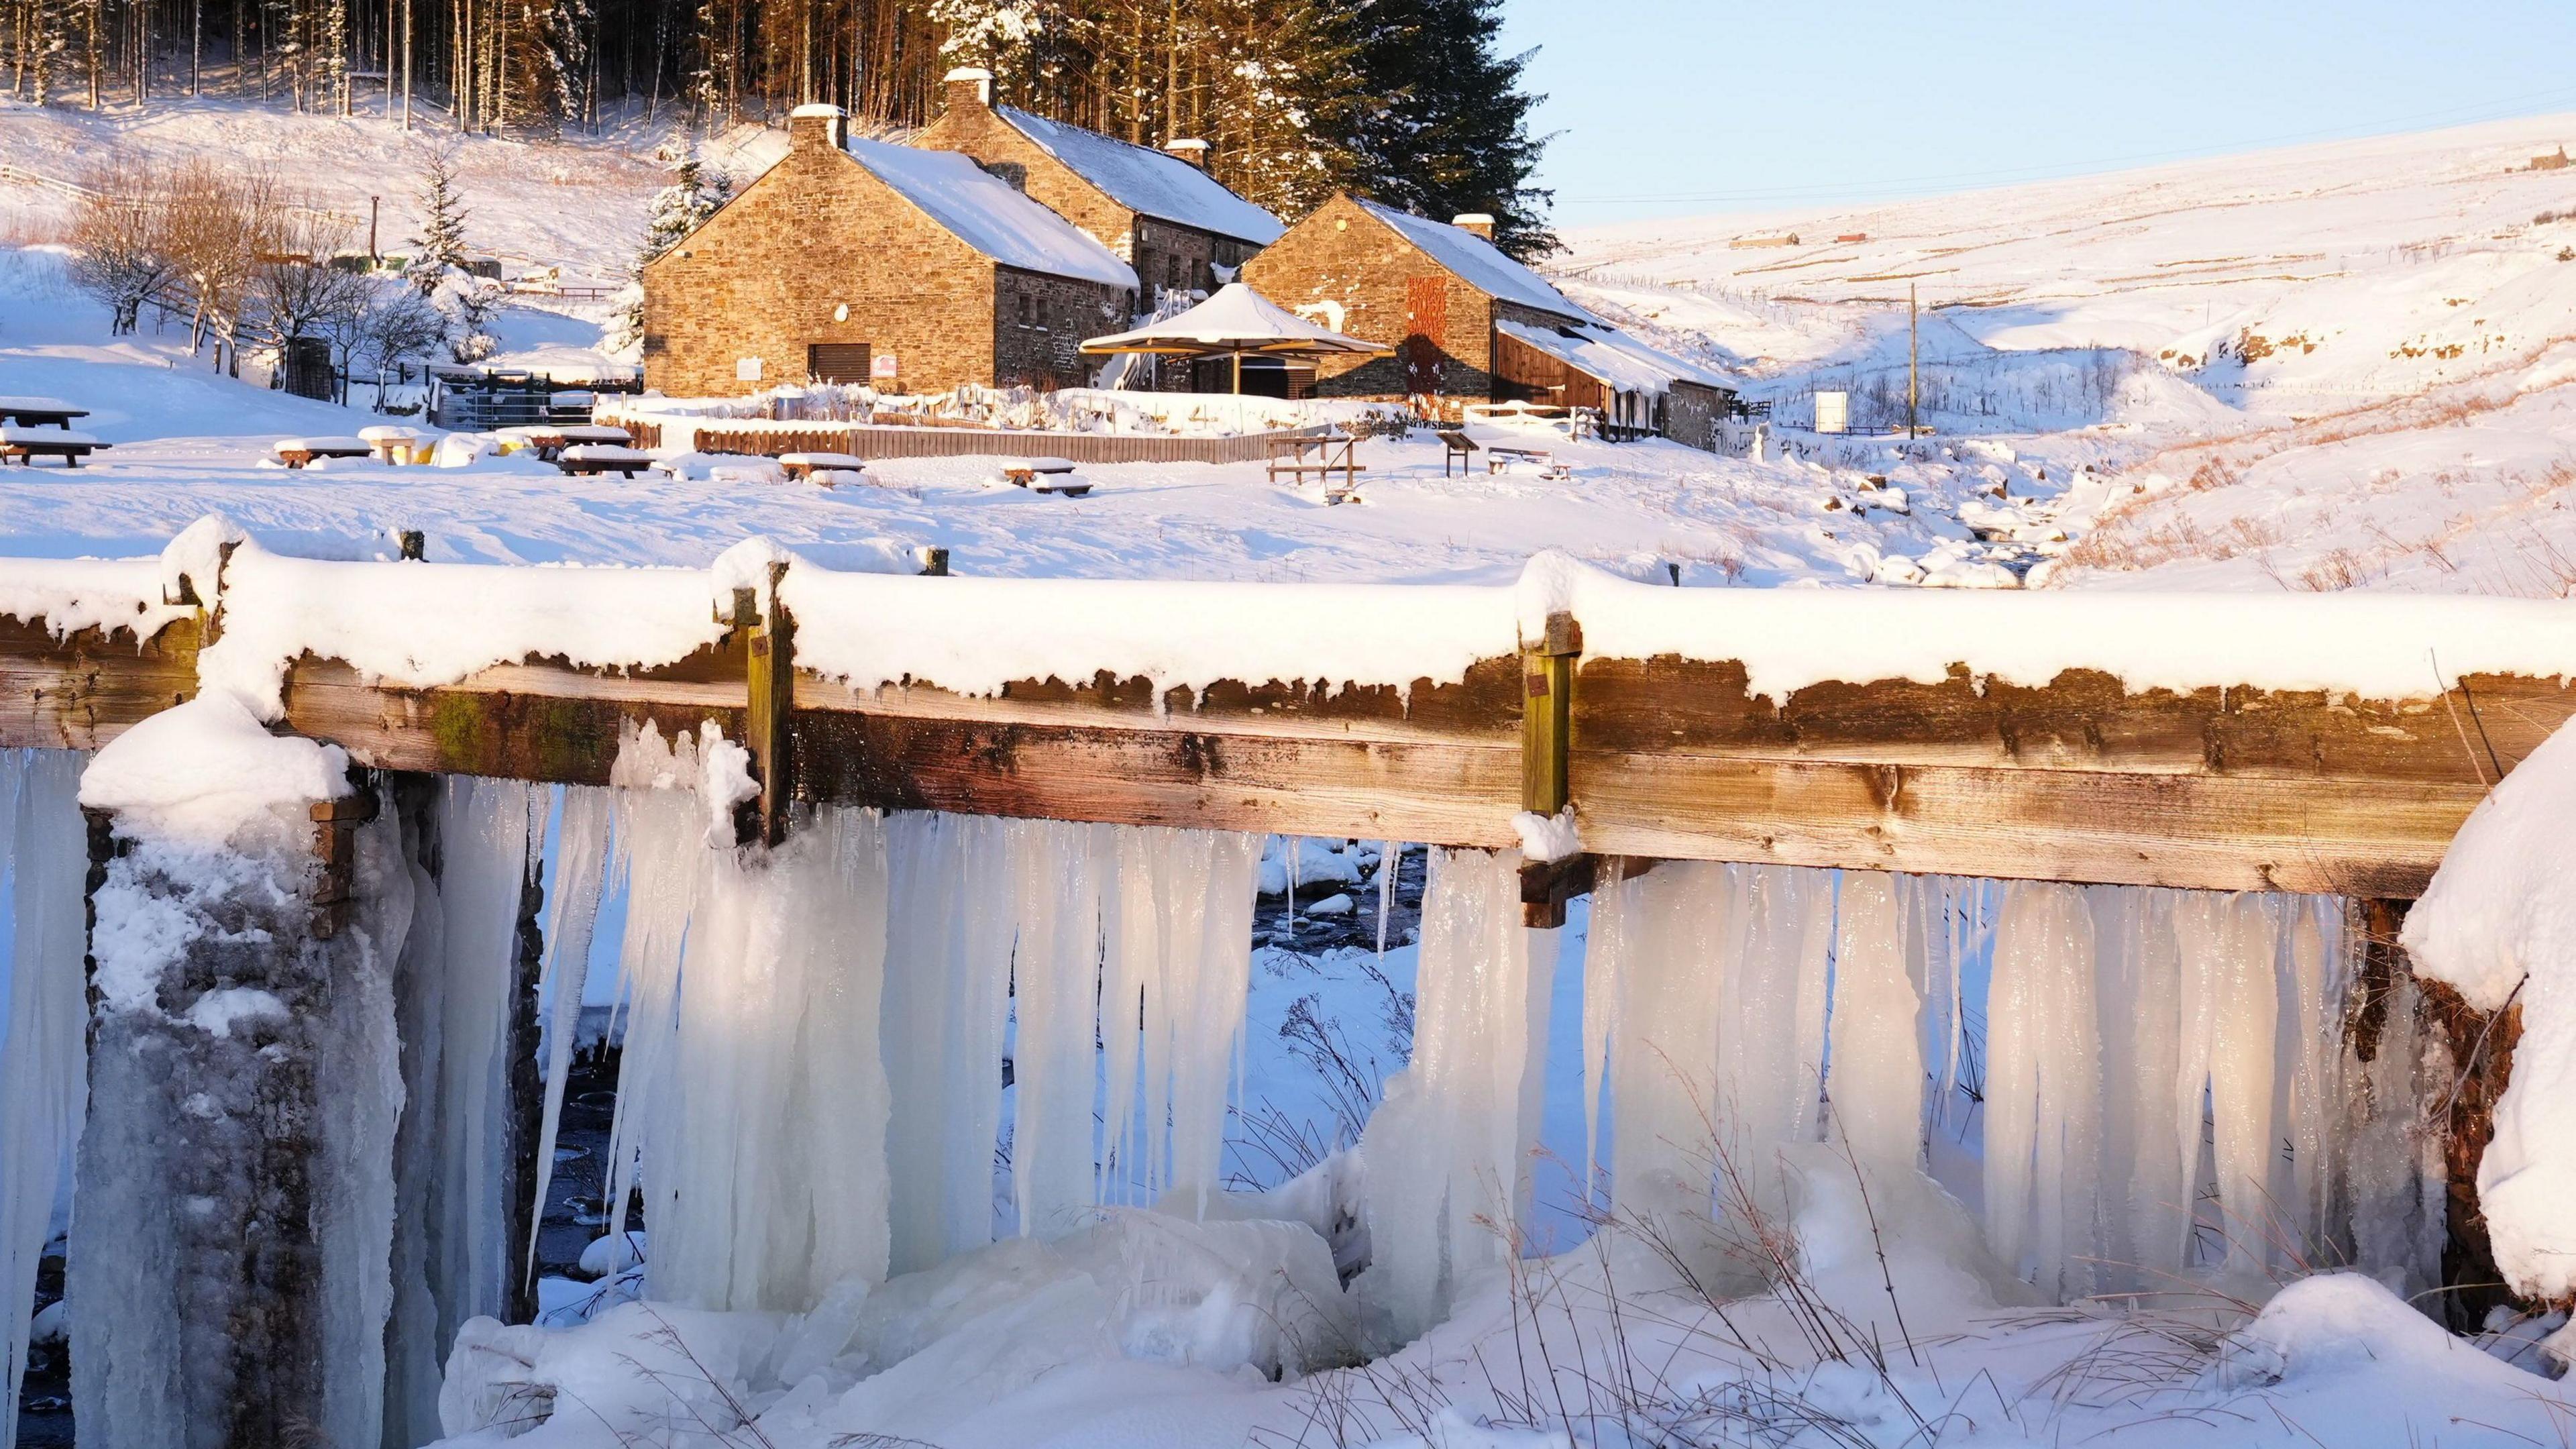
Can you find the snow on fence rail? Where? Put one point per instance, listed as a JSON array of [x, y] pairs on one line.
[[2328, 744]]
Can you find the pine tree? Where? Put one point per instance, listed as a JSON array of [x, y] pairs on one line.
[[679, 209], [1450, 131], [439, 250]]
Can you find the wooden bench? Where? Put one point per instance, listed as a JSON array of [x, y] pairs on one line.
[[28, 444], [803, 466], [296, 452], [592, 459], [1499, 458], [393, 445], [548, 441], [1458, 449], [40, 411], [1046, 475], [1324, 454]]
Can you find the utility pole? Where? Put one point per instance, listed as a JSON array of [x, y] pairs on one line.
[[1913, 359], [374, 256]]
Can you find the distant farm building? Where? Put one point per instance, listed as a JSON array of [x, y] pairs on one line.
[[852, 261], [1466, 321], [1766, 239], [1158, 210]]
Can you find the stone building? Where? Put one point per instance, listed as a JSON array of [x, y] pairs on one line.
[[853, 260], [1159, 210], [1469, 323]]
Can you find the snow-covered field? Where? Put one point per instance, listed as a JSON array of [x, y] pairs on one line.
[[2347, 366]]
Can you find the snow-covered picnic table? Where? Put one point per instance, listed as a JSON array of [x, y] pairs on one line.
[[38, 411], [1046, 475], [548, 440], [393, 444], [296, 452], [28, 444], [804, 466], [592, 458]]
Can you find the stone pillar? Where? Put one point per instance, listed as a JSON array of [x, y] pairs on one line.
[[234, 1177]]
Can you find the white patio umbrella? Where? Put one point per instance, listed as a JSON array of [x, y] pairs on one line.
[[1237, 322]]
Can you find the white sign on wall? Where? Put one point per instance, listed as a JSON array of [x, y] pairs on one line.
[[883, 365], [746, 369]]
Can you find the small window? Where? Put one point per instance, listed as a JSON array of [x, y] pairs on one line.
[[1027, 311], [1172, 265]]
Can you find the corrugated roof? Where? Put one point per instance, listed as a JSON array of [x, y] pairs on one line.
[[1478, 262], [1154, 183], [1617, 359], [989, 214]]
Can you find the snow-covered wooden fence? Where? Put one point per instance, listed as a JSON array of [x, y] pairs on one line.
[[763, 438], [2075, 775]]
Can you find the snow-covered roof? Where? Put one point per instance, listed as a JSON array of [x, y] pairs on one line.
[[1150, 182], [1478, 262], [1617, 359], [989, 214], [1236, 319]]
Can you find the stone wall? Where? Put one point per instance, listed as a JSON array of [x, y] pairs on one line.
[[1039, 323], [1691, 414]]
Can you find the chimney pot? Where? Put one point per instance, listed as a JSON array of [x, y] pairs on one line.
[[1481, 223], [1189, 149], [817, 127], [969, 87]]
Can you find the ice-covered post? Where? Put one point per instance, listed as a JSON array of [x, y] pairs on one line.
[[771, 639], [234, 1178], [1547, 720]]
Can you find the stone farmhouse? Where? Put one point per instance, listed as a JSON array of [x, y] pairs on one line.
[[1159, 210], [854, 260], [1467, 321]]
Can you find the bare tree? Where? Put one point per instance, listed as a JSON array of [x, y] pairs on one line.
[[296, 288], [220, 223], [391, 323], [121, 239]]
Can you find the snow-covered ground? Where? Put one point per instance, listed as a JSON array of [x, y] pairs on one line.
[[2346, 366]]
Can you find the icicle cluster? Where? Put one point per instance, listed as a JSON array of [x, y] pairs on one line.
[[44, 1080], [814, 1080]]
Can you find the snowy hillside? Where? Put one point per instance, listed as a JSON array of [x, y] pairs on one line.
[[2287, 281]]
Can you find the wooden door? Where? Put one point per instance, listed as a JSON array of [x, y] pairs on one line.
[[1426, 318]]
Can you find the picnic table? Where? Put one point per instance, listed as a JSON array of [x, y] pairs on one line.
[[803, 466], [296, 452], [28, 444], [1460, 450], [587, 459], [39, 411], [1320, 453], [1046, 475], [547, 440], [392, 444], [1499, 459]]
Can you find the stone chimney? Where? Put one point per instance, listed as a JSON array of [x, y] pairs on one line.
[[1192, 150], [1481, 223], [817, 128], [969, 88]]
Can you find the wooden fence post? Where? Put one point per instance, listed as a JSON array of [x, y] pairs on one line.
[[1547, 720], [772, 660]]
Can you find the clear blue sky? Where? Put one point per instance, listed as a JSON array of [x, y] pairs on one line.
[[1688, 107]]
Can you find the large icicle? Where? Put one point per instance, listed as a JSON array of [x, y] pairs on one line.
[[581, 877], [2043, 1089], [43, 1077], [1877, 1045], [1445, 1156], [2147, 1185], [1055, 990], [947, 1000], [768, 1184], [1771, 1027], [1655, 980]]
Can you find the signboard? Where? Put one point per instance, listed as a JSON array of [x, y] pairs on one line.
[[746, 369], [884, 366], [1833, 412]]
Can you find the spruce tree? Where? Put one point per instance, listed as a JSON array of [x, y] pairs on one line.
[[1450, 132], [679, 209], [439, 250]]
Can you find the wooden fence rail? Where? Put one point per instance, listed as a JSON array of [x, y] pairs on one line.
[[2081, 780], [870, 442]]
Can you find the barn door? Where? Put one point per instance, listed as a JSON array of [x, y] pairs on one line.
[[1426, 318]]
